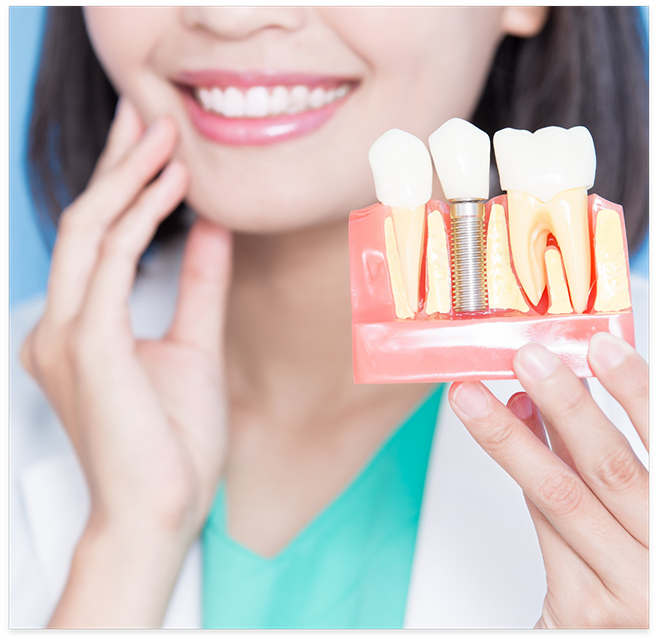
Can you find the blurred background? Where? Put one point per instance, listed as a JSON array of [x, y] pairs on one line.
[[29, 256]]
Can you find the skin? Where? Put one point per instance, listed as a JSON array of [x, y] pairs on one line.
[[267, 399]]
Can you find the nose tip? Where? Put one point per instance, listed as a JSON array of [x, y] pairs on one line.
[[235, 23]]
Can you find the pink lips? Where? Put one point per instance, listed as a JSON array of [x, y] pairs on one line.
[[255, 131]]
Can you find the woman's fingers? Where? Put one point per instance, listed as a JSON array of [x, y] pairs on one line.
[[126, 129], [573, 510], [203, 286], [83, 224], [106, 309], [625, 374], [600, 452], [521, 405]]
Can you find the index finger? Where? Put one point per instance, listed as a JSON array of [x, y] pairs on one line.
[[126, 129]]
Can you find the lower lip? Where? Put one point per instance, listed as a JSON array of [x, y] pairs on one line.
[[256, 131]]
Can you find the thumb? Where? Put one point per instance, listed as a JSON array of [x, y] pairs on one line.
[[203, 288]]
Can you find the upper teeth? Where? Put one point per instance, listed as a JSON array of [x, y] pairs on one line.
[[261, 102]]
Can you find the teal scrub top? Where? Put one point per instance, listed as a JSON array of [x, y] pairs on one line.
[[349, 567]]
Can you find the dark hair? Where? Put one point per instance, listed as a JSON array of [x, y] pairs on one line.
[[586, 67]]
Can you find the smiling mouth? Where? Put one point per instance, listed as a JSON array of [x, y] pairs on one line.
[[255, 108]]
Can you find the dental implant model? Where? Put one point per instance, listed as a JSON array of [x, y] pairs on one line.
[[544, 263], [461, 154]]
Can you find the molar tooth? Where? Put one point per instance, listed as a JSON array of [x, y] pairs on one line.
[[402, 169], [546, 175], [257, 102], [234, 103]]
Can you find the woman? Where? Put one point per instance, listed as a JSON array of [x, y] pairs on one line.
[[240, 420]]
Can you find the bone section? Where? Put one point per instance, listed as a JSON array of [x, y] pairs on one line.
[[531, 221], [402, 309], [409, 225], [504, 291], [558, 292], [612, 286], [438, 266]]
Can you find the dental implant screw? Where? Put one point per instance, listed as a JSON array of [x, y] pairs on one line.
[[469, 274]]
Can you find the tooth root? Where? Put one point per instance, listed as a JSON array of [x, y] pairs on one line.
[[565, 216], [398, 288], [558, 292], [612, 286], [438, 266], [503, 290], [409, 227]]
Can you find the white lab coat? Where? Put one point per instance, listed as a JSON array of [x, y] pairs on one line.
[[477, 562]]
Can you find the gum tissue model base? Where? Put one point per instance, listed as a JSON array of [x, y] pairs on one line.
[[570, 283]]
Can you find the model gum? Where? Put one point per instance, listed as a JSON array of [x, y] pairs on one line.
[[405, 328]]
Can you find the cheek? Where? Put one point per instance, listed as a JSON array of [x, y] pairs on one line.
[[124, 39]]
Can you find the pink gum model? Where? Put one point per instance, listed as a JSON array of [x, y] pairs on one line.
[[458, 347]]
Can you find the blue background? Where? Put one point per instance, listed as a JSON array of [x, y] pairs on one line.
[[29, 257]]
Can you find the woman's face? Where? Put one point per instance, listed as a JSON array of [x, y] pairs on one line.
[[266, 171]]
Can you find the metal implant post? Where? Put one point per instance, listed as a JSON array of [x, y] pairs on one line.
[[469, 274]]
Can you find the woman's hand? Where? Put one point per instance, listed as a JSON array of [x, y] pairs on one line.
[[588, 497], [147, 418]]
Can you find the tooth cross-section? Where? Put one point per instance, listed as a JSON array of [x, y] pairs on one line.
[[530, 223]]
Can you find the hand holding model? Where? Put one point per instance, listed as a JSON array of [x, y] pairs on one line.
[[147, 418], [588, 494], [587, 491]]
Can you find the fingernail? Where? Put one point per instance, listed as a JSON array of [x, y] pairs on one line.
[[608, 350], [521, 406], [470, 399], [537, 361]]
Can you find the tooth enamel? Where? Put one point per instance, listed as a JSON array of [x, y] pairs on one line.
[[298, 99], [342, 91], [234, 103], [531, 221], [216, 100], [402, 170], [280, 100], [461, 154], [257, 102], [547, 162], [546, 175], [558, 293], [205, 98], [316, 98]]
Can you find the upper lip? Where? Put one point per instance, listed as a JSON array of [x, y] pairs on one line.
[[260, 78]]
